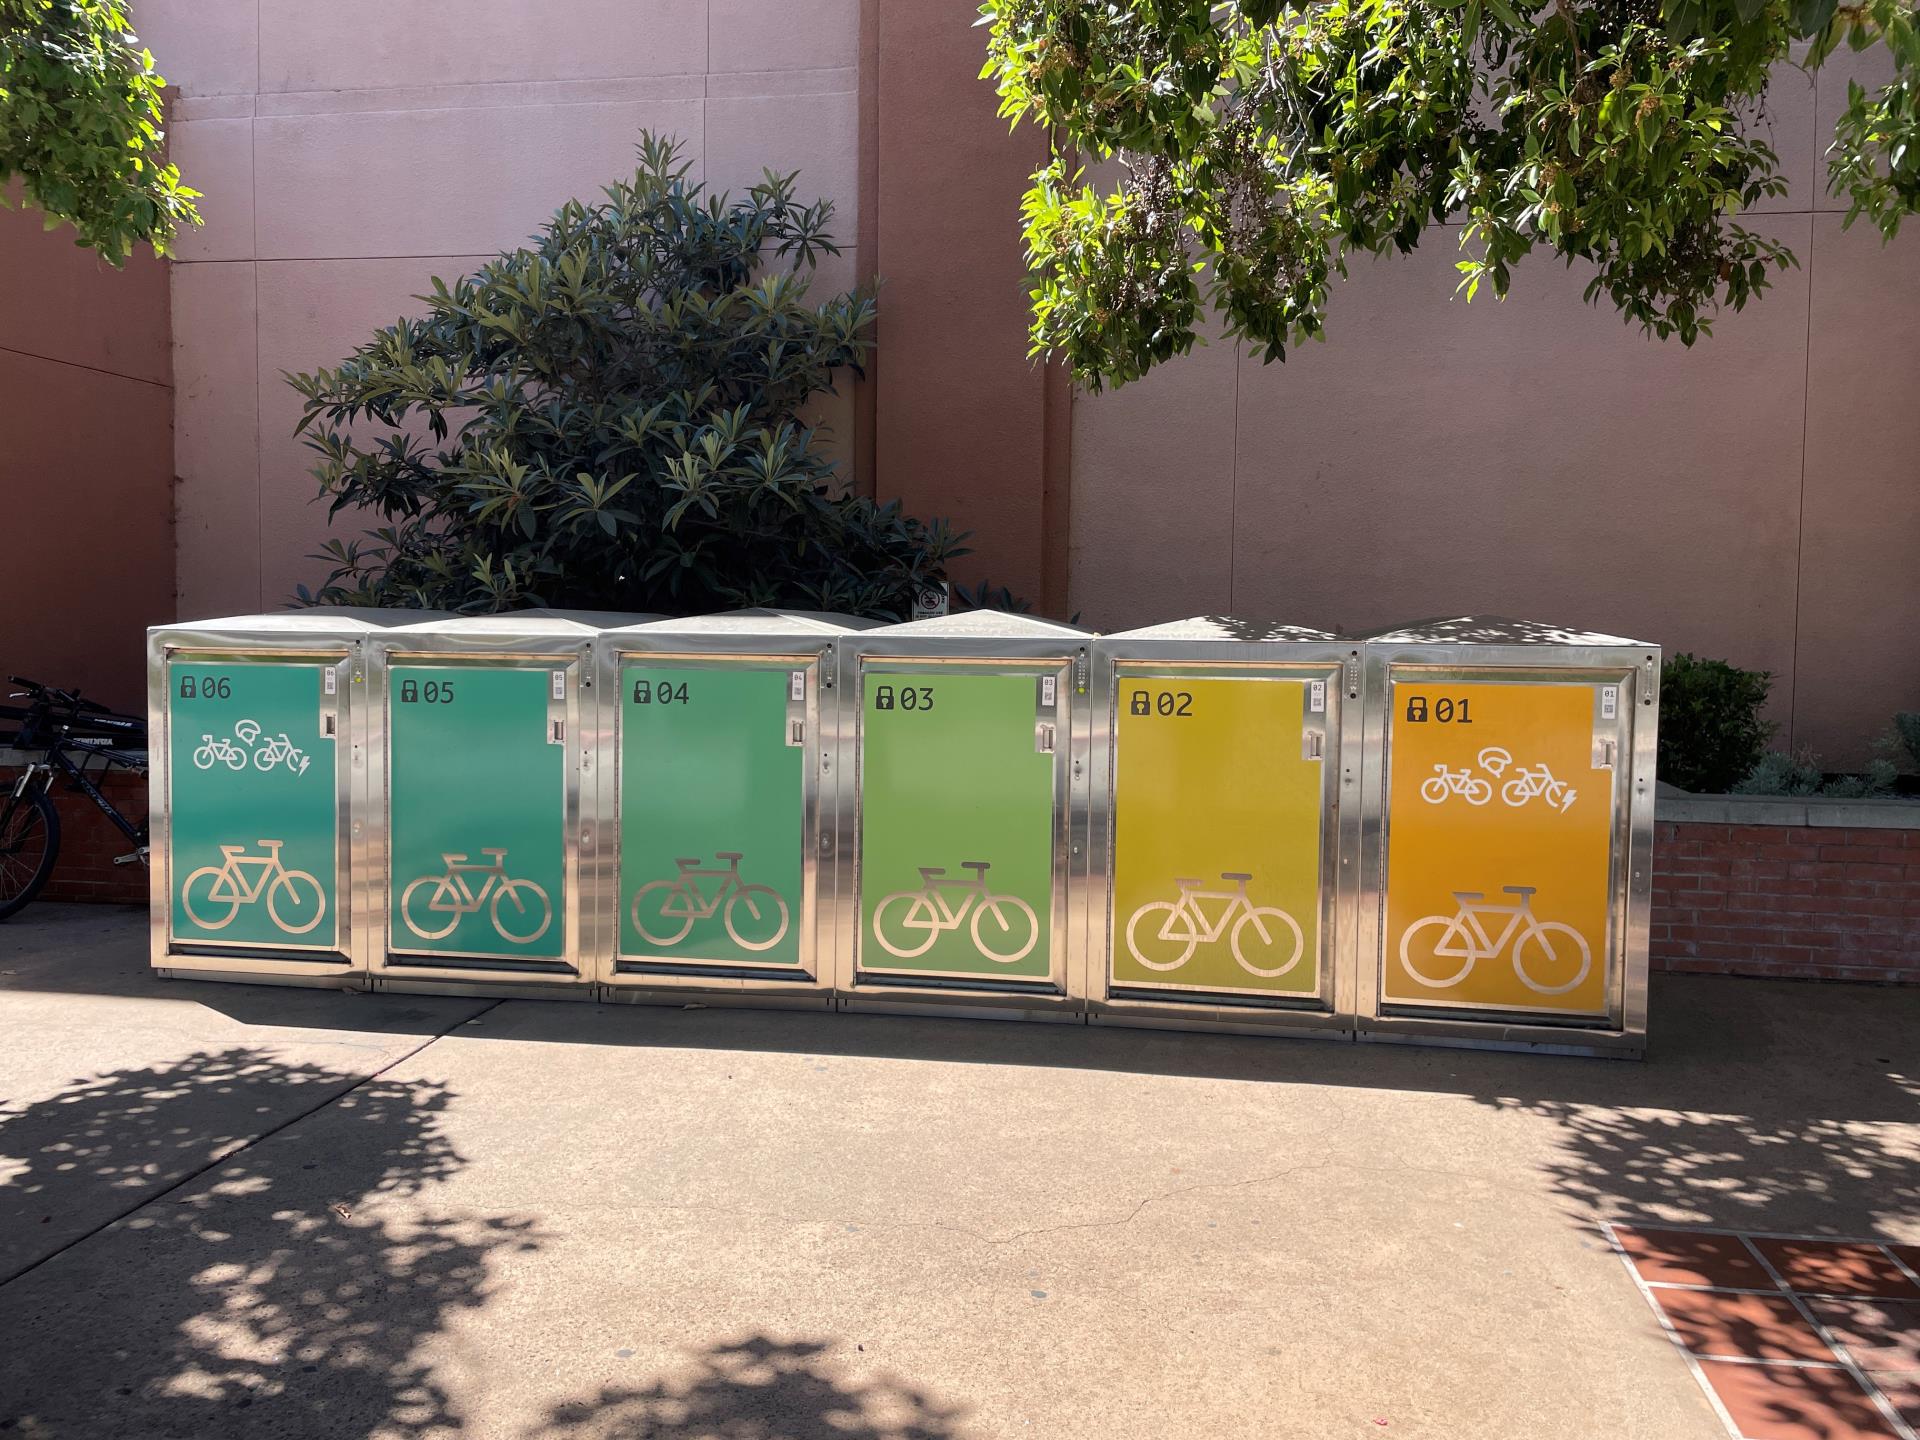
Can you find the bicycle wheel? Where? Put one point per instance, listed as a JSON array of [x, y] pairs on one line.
[[1434, 790], [296, 902], [756, 917], [1177, 931], [29, 844], [1477, 791], [235, 757], [1516, 792], [653, 901], [1557, 958], [1000, 941], [529, 900], [1285, 939], [1452, 934], [411, 913], [914, 915], [267, 756], [215, 876], [203, 758]]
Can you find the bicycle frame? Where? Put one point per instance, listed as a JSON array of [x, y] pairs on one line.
[[267, 867], [702, 906], [1191, 893], [932, 889], [1472, 913], [466, 900], [57, 759]]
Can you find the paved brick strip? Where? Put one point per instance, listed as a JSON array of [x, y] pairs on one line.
[[1792, 1337]]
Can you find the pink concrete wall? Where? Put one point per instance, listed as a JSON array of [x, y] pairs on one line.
[[352, 150], [86, 472], [1756, 498]]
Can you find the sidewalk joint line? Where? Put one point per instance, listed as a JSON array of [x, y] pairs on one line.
[[224, 1156]]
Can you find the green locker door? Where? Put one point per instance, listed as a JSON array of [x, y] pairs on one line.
[[253, 798], [957, 830], [712, 813], [476, 782]]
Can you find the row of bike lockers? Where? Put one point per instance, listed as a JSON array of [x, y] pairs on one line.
[[1437, 833]]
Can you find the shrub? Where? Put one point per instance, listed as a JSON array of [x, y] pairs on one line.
[[1711, 733], [609, 418], [1906, 727], [1800, 774]]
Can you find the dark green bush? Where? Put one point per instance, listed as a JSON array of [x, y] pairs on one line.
[[1711, 733], [610, 419]]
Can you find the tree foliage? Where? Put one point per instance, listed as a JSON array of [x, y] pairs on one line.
[[1263, 143], [609, 418], [80, 125]]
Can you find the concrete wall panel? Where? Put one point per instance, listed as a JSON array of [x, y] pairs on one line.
[[1859, 640], [1153, 519], [749, 35], [202, 47], [440, 181], [312, 315], [216, 158], [217, 439], [373, 44], [1534, 458], [85, 471]]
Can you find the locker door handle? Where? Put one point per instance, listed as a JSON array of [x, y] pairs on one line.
[[1043, 739], [327, 727], [557, 733], [796, 732]]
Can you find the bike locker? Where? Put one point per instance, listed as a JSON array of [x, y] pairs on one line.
[[255, 770], [963, 764], [1226, 775], [481, 786], [713, 854], [1507, 822]]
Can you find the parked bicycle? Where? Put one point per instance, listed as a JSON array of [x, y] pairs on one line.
[[452, 895], [1004, 929], [1549, 957], [1264, 941], [62, 734], [756, 916]]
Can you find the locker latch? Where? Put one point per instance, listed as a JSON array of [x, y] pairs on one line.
[[1314, 746], [1603, 754], [1043, 739], [557, 732], [796, 732], [327, 725]]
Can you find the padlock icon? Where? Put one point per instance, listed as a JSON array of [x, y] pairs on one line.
[[1417, 708], [883, 698], [1139, 705], [642, 692], [188, 690], [409, 692]]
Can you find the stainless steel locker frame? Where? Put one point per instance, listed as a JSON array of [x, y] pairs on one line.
[[302, 636], [546, 639], [1209, 647], [757, 638], [985, 641], [1494, 648]]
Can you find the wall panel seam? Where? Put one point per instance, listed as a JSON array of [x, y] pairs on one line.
[[94, 369]]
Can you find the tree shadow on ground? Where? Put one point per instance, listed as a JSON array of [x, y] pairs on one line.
[[757, 1388], [269, 1295]]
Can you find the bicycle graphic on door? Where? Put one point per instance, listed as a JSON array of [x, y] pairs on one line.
[[516, 904], [1004, 927], [755, 916], [242, 879], [1265, 941], [1542, 950]]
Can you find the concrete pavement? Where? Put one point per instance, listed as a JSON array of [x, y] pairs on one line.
[[422, 1218]]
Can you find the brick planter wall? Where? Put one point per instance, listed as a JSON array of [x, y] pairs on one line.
[[89, 841], [1800, 890]]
